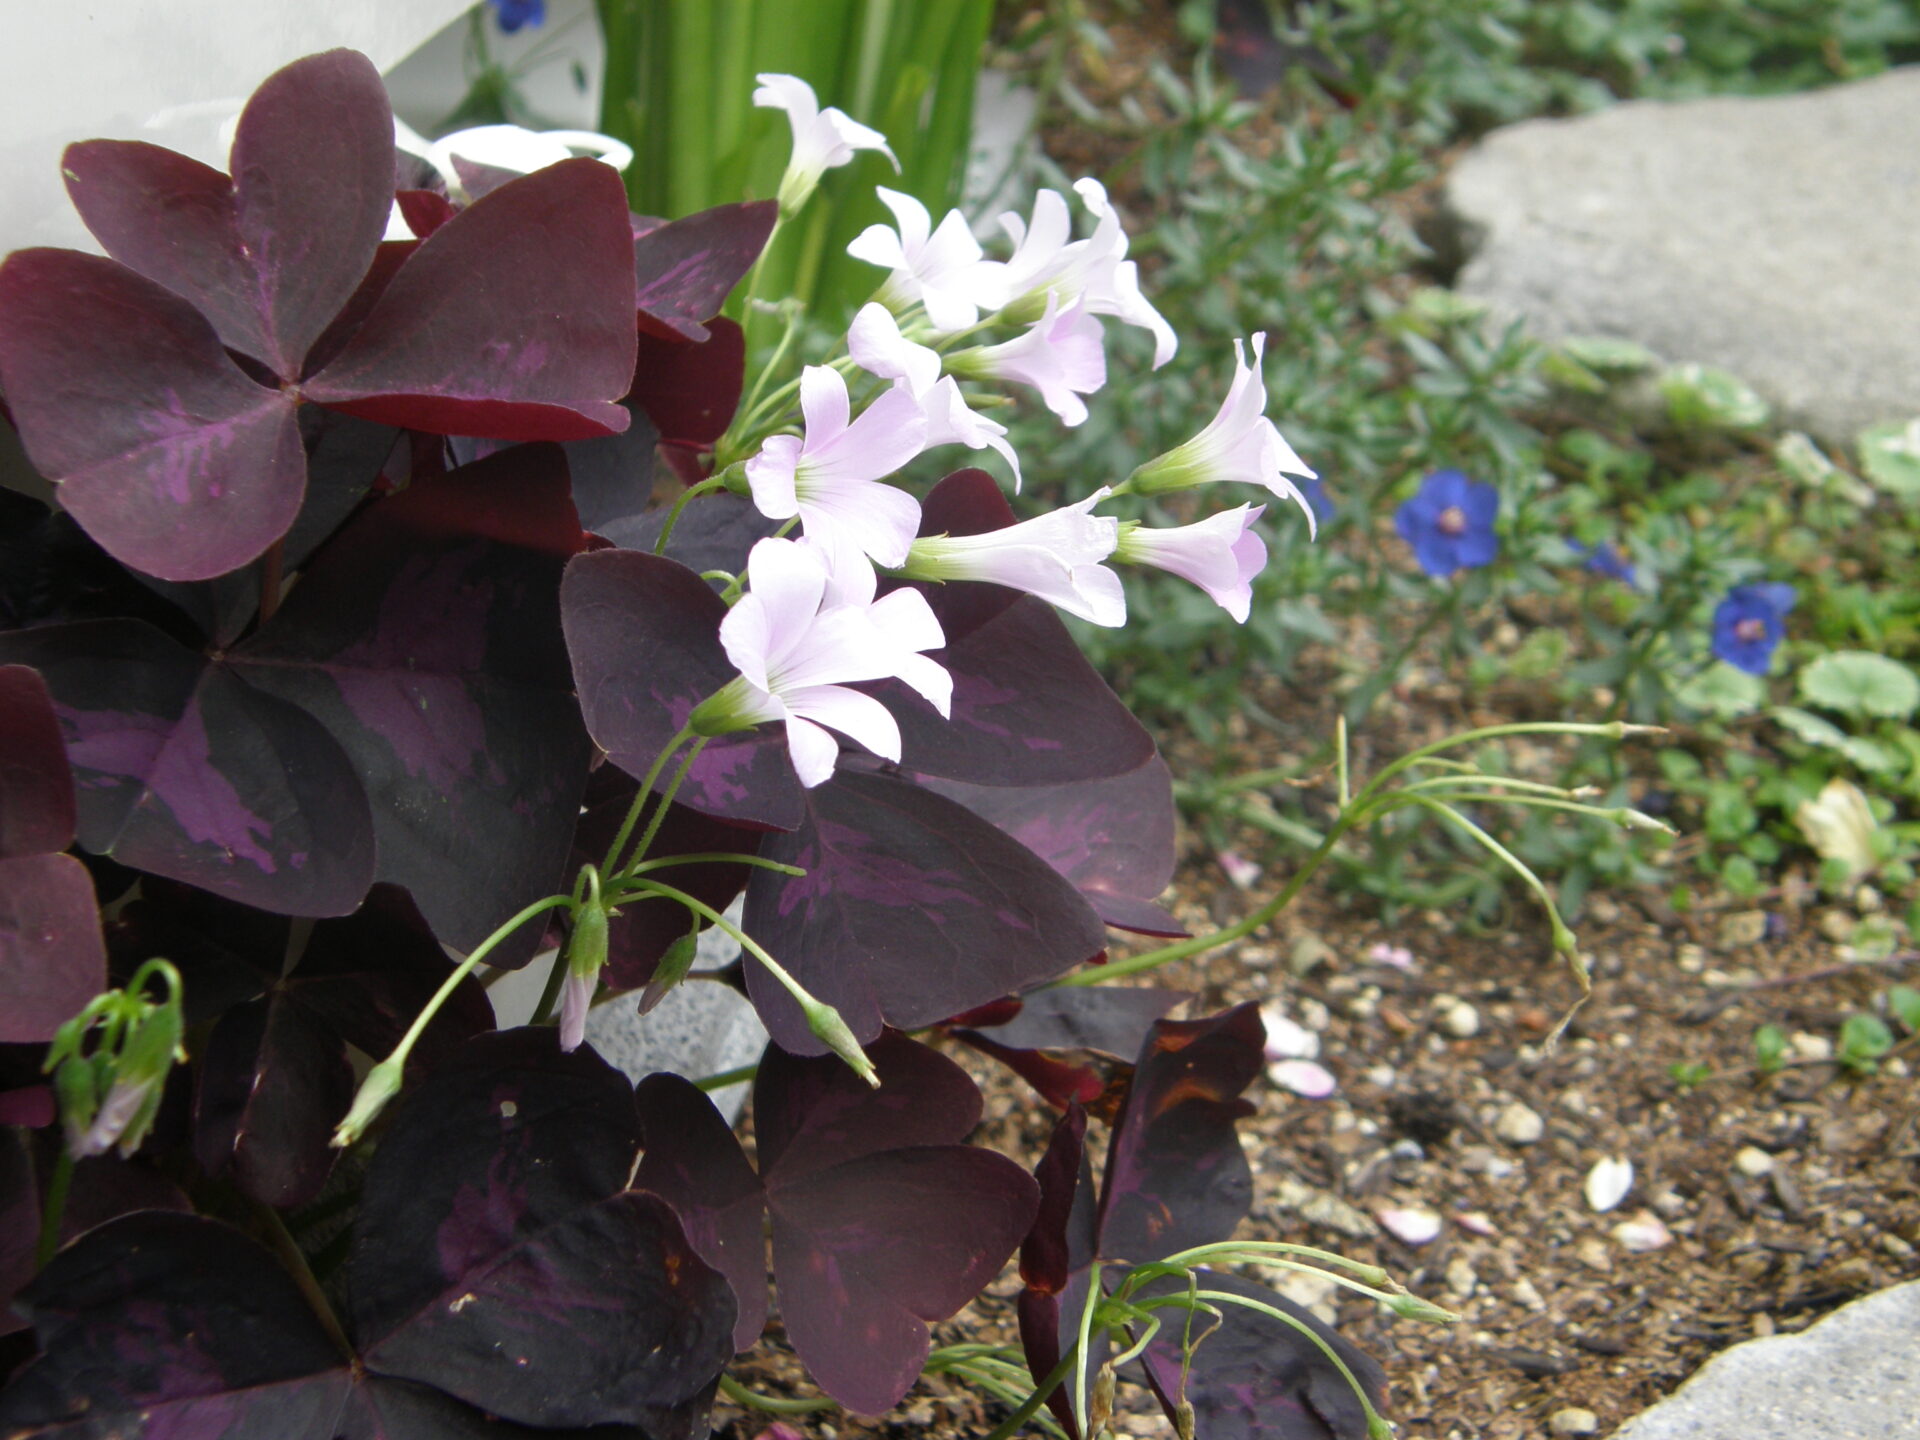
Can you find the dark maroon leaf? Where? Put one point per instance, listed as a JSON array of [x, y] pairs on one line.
[[540, 351], [813, 1113], [28, 1105], [1057, 1082], [19, 1222], [344, 458], [1113, 838], [694, 1163], [273, 1084], [169, 456], [426, 639], [643, 929], [274, 1079], [499, 1257], [425, 211], [1110, 1020], [1176, 1176], [161, 1323], [271, 257], [36, 787], [1055, 1255], [51, 569], [1258, 1378], [880, 1223], [187, 771], [1027, 708], [507, 1137], [685, 270], [387, 261], [479, 179], [613, 477], [912, 909], [714, 532], [643, 632], [690, 392], [52, 959]]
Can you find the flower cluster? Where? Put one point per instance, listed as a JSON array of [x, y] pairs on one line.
[[808, 623]]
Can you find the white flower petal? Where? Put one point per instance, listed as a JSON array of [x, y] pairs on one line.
[[1306, 1078], [814, 751], [1287, 1039], [1644, 1232], [770, 476], [859, 717], [823, 405]]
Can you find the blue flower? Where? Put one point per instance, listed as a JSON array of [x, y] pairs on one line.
[[512, 14], [1749, 624], [1606, 559], [1316, 492], [1449, 523]]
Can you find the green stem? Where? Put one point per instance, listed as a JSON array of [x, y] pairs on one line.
[[550, 992], [57, 1186], [383, 1081], [741, 1395], [666, 803], [1024, 1412], [640, 798], [701, 487], [715, 857], [295, 1261], [729, 1077]]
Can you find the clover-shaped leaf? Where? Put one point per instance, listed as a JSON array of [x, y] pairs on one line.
[[1890, 456]]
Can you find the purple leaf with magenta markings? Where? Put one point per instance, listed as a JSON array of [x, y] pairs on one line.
[[685, 269], [644, 635], [911, 909]]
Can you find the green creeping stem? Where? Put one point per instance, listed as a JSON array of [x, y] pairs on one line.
[[1368, 804]]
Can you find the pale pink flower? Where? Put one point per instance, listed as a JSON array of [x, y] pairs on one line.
[[944, 269], [1055, 556], [576, 998], [830, 477], [1308, 1079], [1048, 260], [823, 140], [1239, 444], [1062, 355], [878, 347], [1221, 554], [800, 635]]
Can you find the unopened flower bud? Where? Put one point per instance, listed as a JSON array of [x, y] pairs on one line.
[[380, 1086], [671, 970], [828, 1028]]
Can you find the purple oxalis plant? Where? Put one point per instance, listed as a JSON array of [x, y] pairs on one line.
[[358, 638]]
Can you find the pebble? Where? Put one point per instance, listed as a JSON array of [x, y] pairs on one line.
[[1460, 1020], [1644, 1232], [1411, 1226], [1321, 1207], [1742, 928], [1608, 1183], [1837, 925], [1309, 953], [1808, 1046], [1526, 1293], [1462, 1278], [1593, 1254], [1574, 1421], [1752, 1160], [1519, 1124]]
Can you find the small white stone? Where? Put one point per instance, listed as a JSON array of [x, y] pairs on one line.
[[1286, 1038], [1475, 1222], [1608, 1183], [1526, 1293], [1642, 1233], [1409, 1226], [1519, 1124], [1382, 1075], [1462, 1279], [1808, 1046], [1574, 1421], [1753, 1161], [1307, 1078], [1460, 1020]]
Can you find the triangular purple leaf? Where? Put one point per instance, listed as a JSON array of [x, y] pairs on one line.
[[554, 250], [912, 909], [1112, 837], [613, 477], [1027, 708], [1176, 1175], [1111, 1020], [52, 959], [271, 256], [693, 1162], [935, 1220], [643, 632], [426, 639], [36, 787], [499, 1258], [165, 451], [186, 770], [714, 532], [690, 392], [685, 270]]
